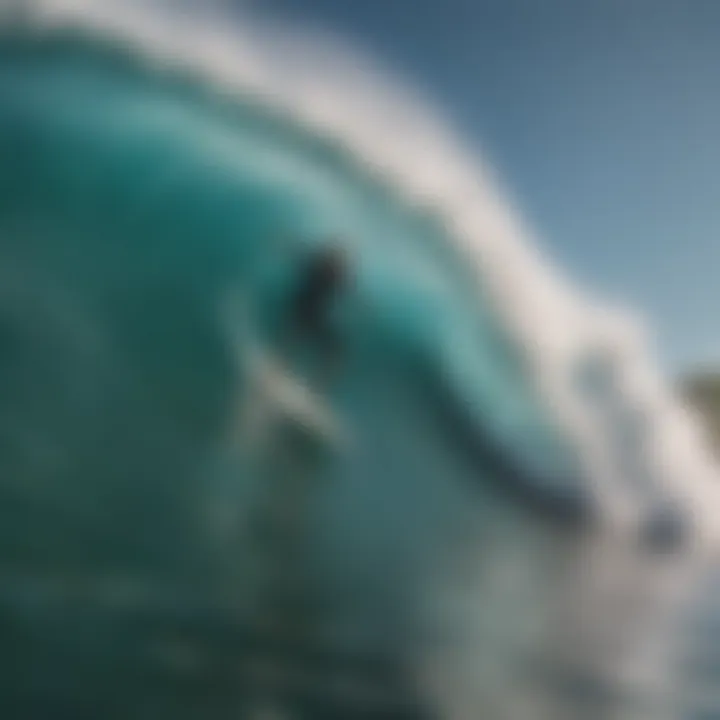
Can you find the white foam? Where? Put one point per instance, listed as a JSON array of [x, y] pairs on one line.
[[330, 87]]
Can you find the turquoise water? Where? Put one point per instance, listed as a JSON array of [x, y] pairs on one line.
[[148, 223]]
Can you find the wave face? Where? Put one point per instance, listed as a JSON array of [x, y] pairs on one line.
[[146, 218]]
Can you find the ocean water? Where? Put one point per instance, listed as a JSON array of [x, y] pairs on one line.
[[176, 543]]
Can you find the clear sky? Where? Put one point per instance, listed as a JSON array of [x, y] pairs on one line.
[[602, 118]]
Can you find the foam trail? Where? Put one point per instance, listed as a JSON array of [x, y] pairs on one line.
[[326, 86]]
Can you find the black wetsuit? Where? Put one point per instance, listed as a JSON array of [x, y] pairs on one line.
[[314, 300]]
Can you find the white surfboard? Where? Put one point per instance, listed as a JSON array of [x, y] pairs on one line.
[[279, 394], [275, 393]]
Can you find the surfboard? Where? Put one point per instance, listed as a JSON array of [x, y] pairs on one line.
[[280, 395], [277, 396]]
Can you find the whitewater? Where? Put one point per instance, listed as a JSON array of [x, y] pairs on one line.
[[513, 441]]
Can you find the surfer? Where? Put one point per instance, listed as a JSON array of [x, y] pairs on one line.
[[321, 283]]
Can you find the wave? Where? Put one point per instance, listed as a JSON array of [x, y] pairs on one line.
[[162, 174], [587, 364], [531, 360]]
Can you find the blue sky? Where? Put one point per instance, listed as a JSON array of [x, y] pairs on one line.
[[602, 118]]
